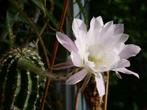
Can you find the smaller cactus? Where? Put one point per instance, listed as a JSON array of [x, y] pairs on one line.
[[20, 87]]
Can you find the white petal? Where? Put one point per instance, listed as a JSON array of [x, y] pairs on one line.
[[112, 35], [96, 23], [78, 27], [77, 61], [64, 65], [121, 64], [81, 44], [126, 71], [77, 77], [106, 33], [118, 75], [129, 51], [80, 31], [103, 68], [100, 20], [100, 84], [124, 38], [92, 24], [119, 28], [107, 29], [115, 41], [66, 42]]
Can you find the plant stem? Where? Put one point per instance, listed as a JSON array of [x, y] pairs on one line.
[[76, 99], [91, 95], [107, 89], [24, 63], [54, 52]]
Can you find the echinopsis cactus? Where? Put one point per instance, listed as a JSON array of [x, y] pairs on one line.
[[20, 88]]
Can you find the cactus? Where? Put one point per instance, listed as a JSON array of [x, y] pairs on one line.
[[20, 88]]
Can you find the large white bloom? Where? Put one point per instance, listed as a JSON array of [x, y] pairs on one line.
[[102, 48]]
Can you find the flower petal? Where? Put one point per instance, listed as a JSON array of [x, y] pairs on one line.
[[66, 42], [129, 51], [118, 75], [119, 28], [96, 23], [124, 38], [80, 30], [126, 71], [77, 61], [121, 64], [100, 84], [106, 33], [100, 20], [64, 65], [78, 27], [77, 77], [107, 30], [115, 41]]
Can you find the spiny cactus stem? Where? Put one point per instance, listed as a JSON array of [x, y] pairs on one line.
[[26, 64], [29, 89], [17, 89]]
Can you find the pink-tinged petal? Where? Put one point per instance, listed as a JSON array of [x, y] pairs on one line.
[[112, 35], [78, 27], [126, 71], [115, 41], [77, 77], [100, 84], [107, 29], [64, 65], [118, 28], [77, 61], [106, 33], [121, 64], [112, 41], [129, 51], [66, 42]]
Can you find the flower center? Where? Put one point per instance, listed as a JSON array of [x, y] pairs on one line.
[[101, 57], [97, 61]]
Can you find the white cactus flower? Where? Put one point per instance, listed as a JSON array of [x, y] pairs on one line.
[[102, 48]]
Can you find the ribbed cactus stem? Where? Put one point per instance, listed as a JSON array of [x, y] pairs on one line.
[[29, 89], [18, 80], [19, 84]]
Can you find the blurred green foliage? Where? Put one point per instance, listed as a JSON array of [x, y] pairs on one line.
[[23, 22]]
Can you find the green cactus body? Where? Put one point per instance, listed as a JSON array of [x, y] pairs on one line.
[[20, 87]]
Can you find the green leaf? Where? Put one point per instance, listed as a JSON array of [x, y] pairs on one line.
[[40, 5], [11, 18], [46, 13]]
